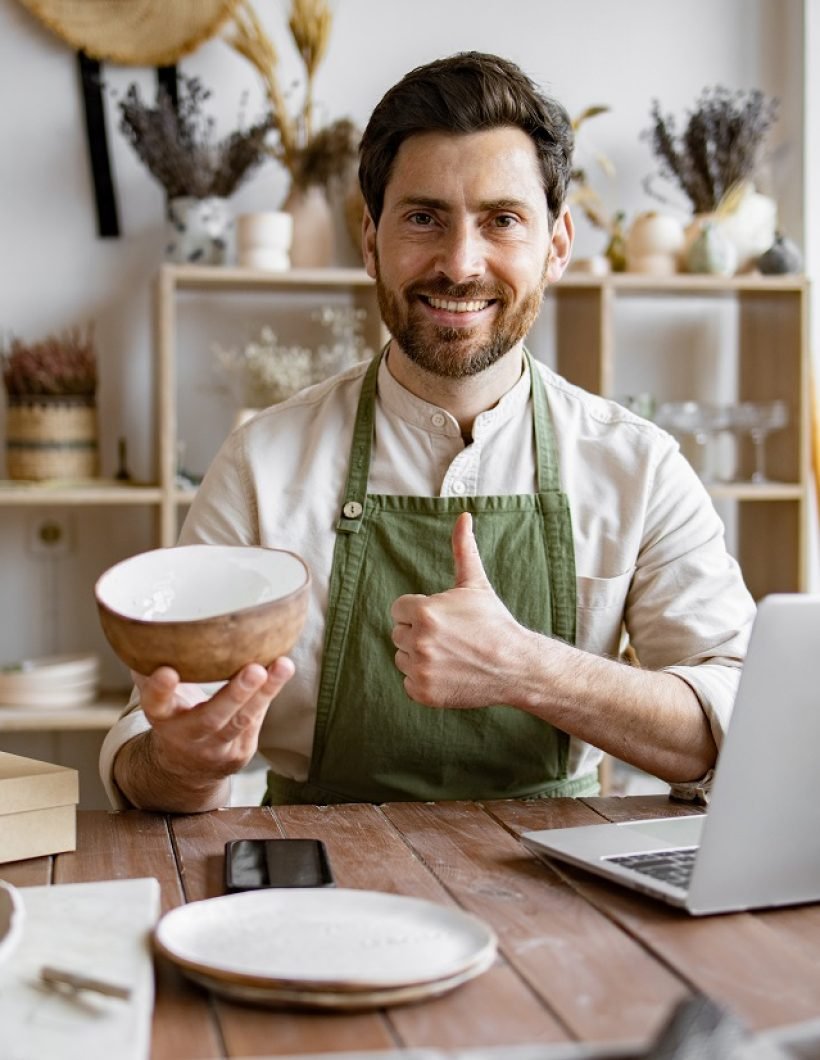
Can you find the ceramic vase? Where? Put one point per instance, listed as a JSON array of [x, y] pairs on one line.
[[653, 244], [711, 251], [782, 257], [314, 242], [199, 231], [751, 226]]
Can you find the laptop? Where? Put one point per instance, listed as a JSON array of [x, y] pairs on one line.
[[759, 843]]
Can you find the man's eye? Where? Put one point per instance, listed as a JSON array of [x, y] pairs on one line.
[[505, 220], [421, 218]]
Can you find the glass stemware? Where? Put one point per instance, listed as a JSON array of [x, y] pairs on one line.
[[758, 419], [702, 421]]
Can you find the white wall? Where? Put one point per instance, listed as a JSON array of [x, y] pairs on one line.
[[56, 272]]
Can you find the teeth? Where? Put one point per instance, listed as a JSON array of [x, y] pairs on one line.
[[458, 307]]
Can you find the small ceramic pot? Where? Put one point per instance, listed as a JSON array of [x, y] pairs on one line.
[[782, 257], [199, 231], [653, 244], [263, 240], [711, 251]]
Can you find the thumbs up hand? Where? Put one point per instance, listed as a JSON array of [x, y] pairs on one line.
[[454, 647]]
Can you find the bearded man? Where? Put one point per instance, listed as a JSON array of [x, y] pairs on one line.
[[479, 531]]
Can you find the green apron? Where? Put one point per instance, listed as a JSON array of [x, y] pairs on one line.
[[372, 743]]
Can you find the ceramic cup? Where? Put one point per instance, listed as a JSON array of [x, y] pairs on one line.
[[263, 240]]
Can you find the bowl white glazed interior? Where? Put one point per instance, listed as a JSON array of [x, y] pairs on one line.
[[193, 582], [205, 610]]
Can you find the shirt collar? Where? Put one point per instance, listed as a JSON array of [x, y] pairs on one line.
[[436, 420]]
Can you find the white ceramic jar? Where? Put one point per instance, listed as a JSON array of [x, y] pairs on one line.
[[263, 240]]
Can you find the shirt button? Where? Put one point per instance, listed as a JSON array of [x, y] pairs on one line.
[[352, 510], [438, 419], [458, 487]]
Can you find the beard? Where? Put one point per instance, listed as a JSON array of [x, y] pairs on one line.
[[455, 353]]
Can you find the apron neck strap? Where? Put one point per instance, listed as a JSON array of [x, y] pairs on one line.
[[359, 463], [546, 457], [546, 461]]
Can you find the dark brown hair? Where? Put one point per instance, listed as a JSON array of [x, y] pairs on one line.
[[465, 93]]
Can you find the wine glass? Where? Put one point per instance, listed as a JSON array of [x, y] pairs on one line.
[[700, 419], [758, 419]]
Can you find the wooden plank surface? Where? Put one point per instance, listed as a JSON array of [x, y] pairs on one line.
[[592, 976], [246, 1031], [579, 958], [368, 851]]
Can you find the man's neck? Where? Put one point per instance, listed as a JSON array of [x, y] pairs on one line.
[[464, 398]]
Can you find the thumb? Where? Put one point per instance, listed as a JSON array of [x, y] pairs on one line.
[[469, 568]]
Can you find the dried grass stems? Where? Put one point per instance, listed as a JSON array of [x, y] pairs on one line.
[[719, 149], [63, 363], [310, 157], [177, 144]]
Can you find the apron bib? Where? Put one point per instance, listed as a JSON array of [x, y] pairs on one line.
[[372, 743]]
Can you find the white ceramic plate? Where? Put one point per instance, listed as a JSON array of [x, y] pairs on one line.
[[346, 1000], [331, 940], [49, 673], [52, 699], [11, 919]]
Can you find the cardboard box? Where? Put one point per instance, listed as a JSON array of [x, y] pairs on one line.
[[38, 808]]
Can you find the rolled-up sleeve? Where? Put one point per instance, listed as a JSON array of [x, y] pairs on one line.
[[688, 609]]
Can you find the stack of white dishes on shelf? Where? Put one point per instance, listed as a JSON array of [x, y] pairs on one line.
[[325, 947], [51, 682]]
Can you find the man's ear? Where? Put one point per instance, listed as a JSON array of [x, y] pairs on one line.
[[369, 243], [561, 240]]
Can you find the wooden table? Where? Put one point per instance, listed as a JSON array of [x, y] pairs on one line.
[[579, 959]]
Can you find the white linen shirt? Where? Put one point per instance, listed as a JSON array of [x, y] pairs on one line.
[[649, 547]]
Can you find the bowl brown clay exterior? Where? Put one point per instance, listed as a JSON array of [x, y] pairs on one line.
[[216, 645]]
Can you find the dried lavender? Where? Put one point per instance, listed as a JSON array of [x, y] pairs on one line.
[[328, 154], [64, 363], [719, 148], [177, 144]]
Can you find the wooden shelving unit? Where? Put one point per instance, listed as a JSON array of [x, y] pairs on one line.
[[772, 365], [772, 359]]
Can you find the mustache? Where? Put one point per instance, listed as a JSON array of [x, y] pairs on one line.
[[461, 292]]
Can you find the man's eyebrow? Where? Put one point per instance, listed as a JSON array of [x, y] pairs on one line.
[[428, 203]]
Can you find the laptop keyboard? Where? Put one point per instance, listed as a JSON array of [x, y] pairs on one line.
[[670, 866]]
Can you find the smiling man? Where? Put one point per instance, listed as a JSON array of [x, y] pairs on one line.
[[479, 531]]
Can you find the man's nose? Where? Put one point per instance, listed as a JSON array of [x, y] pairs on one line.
[[461, 253]]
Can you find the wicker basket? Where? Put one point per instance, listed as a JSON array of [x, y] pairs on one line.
[[51, 437]]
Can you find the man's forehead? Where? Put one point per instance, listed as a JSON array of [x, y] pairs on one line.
[[496, 165]]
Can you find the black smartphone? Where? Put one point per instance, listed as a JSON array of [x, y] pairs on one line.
[[251, 864]]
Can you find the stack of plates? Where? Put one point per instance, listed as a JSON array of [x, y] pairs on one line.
[[51, 682], [326, 948]]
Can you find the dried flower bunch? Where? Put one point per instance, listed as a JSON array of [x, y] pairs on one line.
[[310, 156], [582, 194], [719, 150], [267, 371], [177, 144], [60, 364]]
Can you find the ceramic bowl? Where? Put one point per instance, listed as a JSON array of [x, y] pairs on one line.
[[205, 610], [11, 919]]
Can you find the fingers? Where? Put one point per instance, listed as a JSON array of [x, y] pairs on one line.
[[158, 693], [468, 566], [405, 608]]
